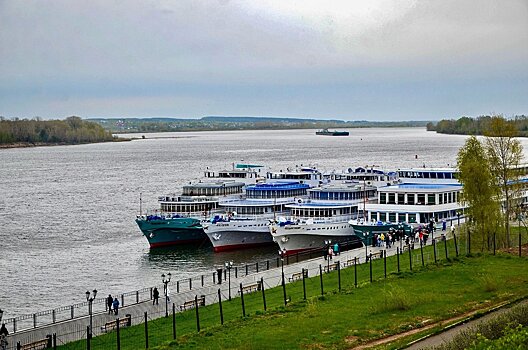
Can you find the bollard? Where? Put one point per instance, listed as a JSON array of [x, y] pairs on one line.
[[122, 300], [236, 272], [221, 310], [202, 280], [197, 314], [263, 293], [137, 296], [53, 315], [321, 278], [177, 286], [214, 278], [146, 330], [267, 265], [256, 266], [190, 283], [247, 270], [151, 296], [242, 301], [173, 321], [34, 320]]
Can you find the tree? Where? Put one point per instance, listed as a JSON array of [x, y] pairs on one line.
[[505, 154], [480, 190]]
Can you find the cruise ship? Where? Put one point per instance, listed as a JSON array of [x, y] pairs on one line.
[[323, 218], [178, 221], [244, 222]]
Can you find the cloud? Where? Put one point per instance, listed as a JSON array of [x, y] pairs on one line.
[[190, 51]]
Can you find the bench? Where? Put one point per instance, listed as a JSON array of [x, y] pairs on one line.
[[297, 276], [376, 255], [36, 345], [111, 325], [330, 267], [189, 304], [250, 288], [350, 262]]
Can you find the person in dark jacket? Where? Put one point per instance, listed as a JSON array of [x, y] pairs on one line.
[[155, 296], [115, 304], [3, 330], [109, 302]]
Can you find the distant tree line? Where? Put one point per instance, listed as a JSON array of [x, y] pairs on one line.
[[72, 130], [476, 126], [128, 125]]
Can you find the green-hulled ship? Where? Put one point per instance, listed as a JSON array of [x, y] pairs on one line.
[[179, 219], [367, 230]]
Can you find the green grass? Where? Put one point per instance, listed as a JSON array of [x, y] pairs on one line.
[[341, 320]]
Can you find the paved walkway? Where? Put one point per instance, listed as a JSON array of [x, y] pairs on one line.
[[75, 329]]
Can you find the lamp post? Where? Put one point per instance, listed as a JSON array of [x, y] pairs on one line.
[[90, 297], [165, 282], [228, 265]]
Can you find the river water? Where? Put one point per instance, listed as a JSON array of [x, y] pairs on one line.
[[67, 212]]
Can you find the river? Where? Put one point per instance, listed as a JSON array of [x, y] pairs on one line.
[[67, 212]]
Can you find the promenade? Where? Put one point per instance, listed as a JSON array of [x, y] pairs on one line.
[[271, 273]]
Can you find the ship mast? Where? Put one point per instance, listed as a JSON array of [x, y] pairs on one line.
[[140, 204]]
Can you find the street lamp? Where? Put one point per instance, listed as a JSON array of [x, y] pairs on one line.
[[228, 265], [166, 281], [90, 297]]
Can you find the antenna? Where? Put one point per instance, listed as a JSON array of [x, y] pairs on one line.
[[140, 204]]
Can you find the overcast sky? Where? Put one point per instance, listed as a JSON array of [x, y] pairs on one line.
[[351, 60]]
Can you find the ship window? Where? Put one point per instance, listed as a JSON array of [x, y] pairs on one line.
[[431, 199], [383, 198], [392, 198]]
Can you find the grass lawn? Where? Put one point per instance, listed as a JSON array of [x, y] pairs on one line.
[[341, 320]]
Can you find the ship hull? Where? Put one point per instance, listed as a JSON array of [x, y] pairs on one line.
[[297, 238], [170, 232], [228, 236]]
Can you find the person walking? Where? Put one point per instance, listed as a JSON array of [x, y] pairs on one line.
[[115, 304], [109, 302], [155, 295], [3, 337]]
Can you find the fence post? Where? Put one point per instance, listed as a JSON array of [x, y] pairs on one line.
[[494, 244], [54, 341], [190, 283], [146, 330], [151, 293], [267, 264], [122, 300], [34, 320], [202, 280], [177, 286], [370, 267], [197, 313], [385, 262], [304, 284], [118, 334], [214, 278], [284, 286], [242, 301], [339, 275], [321, 278], [173, 321], [445, 247], [434, 249], [14, 325], [137, 296], [520, 251], [410, 256], [456, 245], [355, 271], [469, 243], [18, 345], [220, 305], [53, 315], [263, 293], [247, 269], [236, 271], [398, 257], [256, 266], [421, 251], [88, 339], [71, 311]]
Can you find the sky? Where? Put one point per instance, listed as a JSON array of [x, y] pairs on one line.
[[375, 60]]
